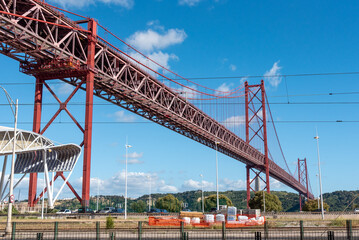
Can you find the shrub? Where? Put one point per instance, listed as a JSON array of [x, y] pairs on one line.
[[110, 224]]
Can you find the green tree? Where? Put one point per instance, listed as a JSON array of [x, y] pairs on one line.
[[210, 202], [139, 206], [169, 202], [312, 205], [272, 202]]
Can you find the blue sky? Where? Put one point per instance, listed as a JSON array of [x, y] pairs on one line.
[[217, 38]]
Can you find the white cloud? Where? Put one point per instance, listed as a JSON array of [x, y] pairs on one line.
[[133, 158], [135, 155], [151, 40], [134, 161], [158, 57], [189, 2], [228, 184], [275, 184], [224, 87], [233, 67], [191, 184], [168, 189], [273, 75], [64, 89], [121, 116], [186, 92], [138, 184], [81, 3], [234, 121], [242, 80]]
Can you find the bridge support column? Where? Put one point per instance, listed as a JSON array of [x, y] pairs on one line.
[[77, 78], [248, 169], [92, 26], [256, 128], [303, 178], [35, 128]]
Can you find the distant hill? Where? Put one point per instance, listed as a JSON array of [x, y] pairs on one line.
[[337, 200]]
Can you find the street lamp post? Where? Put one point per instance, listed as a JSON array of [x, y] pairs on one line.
[[11, 186], [318, 190], [127, 146], [98, 193], [202, 194], [320, 176], [217, 175], [149, 196]]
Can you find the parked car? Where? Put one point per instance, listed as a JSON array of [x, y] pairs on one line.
[[118, 210], [85, 210], [64, 211], [356, 210], [107, 210], [157, 210], [154, 210]]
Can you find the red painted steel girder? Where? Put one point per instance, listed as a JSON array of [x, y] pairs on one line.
[[118, 79]]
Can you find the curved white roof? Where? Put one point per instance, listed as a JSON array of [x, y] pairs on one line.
[[25, 141], [30, 149]]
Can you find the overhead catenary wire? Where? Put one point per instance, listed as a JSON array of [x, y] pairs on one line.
[[150, 122], [276, 134]]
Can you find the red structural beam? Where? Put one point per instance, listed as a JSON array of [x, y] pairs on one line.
[[89, 111]]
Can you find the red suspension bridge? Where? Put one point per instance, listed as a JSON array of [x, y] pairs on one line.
[[49, 45]]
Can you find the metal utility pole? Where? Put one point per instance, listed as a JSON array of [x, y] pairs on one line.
[[43, 200], [217, 175], [202, 194], [320, 176], [149, 196], [98, 193], [127, 146], [318, 191], [11, 187]]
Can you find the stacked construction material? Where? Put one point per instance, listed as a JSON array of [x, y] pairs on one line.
[[231, 214], [252, 213], [191, 214]]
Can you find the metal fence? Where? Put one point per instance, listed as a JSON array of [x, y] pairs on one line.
[[184, 233]]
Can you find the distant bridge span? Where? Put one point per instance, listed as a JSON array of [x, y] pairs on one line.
[[49, 45]]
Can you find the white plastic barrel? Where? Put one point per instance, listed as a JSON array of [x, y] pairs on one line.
[[242, 218], [220, 218], [196, 220], [186, 220], [209, 218]]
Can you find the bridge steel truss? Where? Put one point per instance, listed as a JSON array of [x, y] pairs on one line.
[[303, 179], [49, 45], [256, 128]]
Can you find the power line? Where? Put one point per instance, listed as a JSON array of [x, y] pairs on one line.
[[231, 122], [239, 103], [273, 76]]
